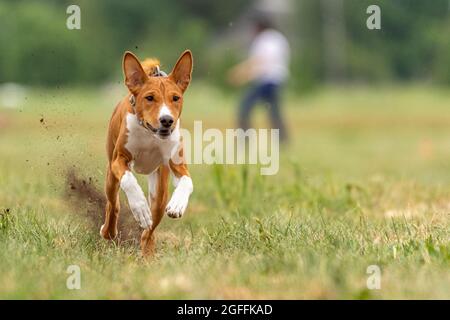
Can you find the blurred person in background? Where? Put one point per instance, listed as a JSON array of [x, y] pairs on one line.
[[267, 68]]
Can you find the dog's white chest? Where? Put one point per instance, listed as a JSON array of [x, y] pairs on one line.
[[147, 150]]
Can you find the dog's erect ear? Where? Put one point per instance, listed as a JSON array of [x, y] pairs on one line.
[[182, 72], [135, 76]]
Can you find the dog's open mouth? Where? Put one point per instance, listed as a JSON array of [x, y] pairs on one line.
[[164, 133]]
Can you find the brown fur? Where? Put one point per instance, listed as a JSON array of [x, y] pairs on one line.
[[163, 90]]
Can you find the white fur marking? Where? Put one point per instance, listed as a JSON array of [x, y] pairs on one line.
[[136, 199], [180, 198], [165, 111], [175, 179], [152, 183], [148, 150], [101, 229]]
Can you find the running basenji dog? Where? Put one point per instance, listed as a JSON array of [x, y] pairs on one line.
[[144, 137]]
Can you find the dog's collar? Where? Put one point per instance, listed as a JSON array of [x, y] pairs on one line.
[[157, 72], [132, 100]]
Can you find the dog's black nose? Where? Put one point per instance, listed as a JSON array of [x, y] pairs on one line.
[[166, 121]]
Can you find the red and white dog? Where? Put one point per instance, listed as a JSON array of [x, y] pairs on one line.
[[144, 136]]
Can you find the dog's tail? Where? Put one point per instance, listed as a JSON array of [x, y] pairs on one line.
[[150, 65]]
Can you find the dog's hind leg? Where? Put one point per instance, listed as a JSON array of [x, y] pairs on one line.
[[158, 193], [109, 228]]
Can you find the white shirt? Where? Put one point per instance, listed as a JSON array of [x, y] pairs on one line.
[[271, 50]]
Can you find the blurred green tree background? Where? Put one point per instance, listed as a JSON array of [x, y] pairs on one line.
[[329, 39]]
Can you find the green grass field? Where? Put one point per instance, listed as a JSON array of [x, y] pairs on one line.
[[365, 181]]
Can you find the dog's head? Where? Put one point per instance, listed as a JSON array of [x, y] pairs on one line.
[[158, 100]]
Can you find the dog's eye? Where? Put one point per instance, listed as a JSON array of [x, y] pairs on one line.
[[149, 98], [176, 98]]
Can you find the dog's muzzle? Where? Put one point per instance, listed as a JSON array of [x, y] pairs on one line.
[[162, 132]]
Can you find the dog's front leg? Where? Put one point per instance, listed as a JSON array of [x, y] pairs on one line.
[[136, 198], [183, 189]]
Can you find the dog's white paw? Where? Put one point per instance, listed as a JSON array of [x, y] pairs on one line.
[[180, 198], [136, 199], [107, 235], [101, 229], [141, 213], [177, 205]]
